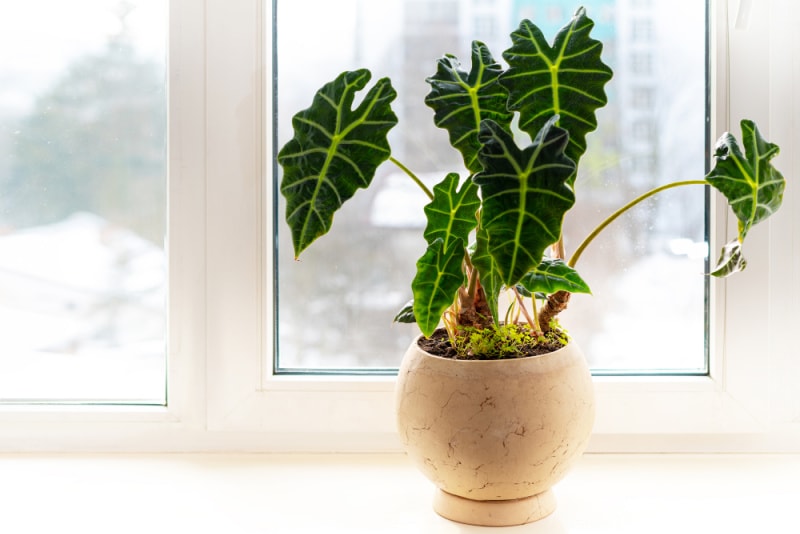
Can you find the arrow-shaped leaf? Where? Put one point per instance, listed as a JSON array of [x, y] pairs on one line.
[[461, 100], [525, 196], [451, 213], [436, 283], [554, 275], [565, 79], [406, 313], [335, 150], [753, 187]]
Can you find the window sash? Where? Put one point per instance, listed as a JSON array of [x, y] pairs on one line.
[[222, 394], [689, 408]]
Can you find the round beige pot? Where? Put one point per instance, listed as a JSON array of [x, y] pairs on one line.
[[494, 436]]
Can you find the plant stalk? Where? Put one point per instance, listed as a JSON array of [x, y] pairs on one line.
[[532, 321], [413, 177], [611, 218]]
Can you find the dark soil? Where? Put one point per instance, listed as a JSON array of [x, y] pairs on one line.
[[439, 345]]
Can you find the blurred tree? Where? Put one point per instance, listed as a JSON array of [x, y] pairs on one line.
[[95, 141]]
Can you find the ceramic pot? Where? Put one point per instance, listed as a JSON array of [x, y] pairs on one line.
[[494, 436]]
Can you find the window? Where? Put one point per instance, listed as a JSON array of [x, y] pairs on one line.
[[350, 284], [642, 30], [484, 25], [643, 164], [83, 191], [642, 98], [639, 413], [642, 63], [642, 131], [222, 394], [556, 14]]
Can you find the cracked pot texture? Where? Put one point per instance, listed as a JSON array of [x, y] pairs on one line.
[[495, 430]]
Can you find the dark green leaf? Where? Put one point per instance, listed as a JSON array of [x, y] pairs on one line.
[[489, 274], [527, 294], [460, 100], [436, 284], [451, 213], [335, 150], [753, 187], [730, 260], [554, 275], [565, 79], [525, 196], [406, 313]]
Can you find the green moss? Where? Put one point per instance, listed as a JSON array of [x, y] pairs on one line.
[[507, 341]]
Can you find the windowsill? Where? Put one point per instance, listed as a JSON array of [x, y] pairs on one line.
[[260, 493]]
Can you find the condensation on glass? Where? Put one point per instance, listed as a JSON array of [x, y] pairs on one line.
[[648, 309], [83, 201]]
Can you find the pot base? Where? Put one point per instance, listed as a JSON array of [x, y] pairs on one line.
[[494, 513]]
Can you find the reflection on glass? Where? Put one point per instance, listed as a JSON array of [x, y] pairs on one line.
[[337, 302], [83, 201]]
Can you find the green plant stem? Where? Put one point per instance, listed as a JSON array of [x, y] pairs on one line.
[[532, 321], [413, 177], [558, 248], [611, 218], [472, 276]]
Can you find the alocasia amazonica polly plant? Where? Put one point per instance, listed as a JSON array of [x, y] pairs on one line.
[[499, 228]]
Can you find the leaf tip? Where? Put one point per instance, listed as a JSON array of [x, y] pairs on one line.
[[730, 261]]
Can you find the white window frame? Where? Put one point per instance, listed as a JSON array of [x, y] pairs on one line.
[[222, 394]]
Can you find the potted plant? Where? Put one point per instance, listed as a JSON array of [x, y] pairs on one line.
[[494, 401]]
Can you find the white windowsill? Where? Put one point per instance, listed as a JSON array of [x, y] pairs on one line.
[[263, 493]]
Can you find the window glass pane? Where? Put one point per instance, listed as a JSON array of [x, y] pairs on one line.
[[646, 272], [83, 200]]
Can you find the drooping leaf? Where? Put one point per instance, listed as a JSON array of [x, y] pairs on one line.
[[461, 100], [730, 260], [334, 152], [565, 79], [436, 283], [752, 186], [451, 213], [554, 275], [489, 274], [406, 313], [525, 196]]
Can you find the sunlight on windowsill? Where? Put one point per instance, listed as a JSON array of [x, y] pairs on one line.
[[278, 493]]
